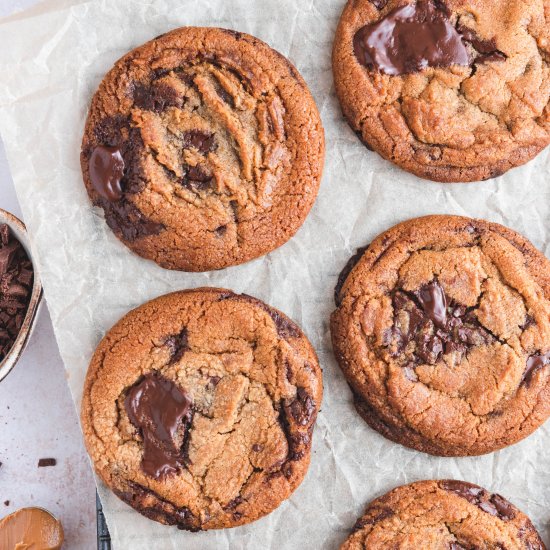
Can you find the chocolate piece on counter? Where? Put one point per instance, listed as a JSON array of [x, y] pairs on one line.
[[16, 280], [46, 462], [161, 412], [106, 171], [6, 503], [31, 528], [409, 39]]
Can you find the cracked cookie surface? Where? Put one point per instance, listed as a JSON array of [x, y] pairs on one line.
[[443, 515], [199, 407], [204, 148], [466, 117], [443, 333]]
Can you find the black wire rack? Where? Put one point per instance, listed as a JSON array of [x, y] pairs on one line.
[[103, 536]]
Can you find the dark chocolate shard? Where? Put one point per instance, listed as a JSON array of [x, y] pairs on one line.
[[178, 345], [159, 410], [47, 462]]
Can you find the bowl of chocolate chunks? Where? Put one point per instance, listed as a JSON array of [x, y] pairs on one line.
[[20, 291]]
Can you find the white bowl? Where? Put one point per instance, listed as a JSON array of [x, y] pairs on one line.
[[20, 233]]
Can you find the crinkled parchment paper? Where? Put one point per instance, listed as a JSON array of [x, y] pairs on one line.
[[51, 60]]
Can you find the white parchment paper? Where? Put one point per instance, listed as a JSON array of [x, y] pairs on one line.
[[51, 60]]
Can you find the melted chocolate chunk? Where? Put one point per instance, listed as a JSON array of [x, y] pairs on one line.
[[106, 171], [487, 49], [435, 324], [434, 303], [125, 219], [157, 97], [16, 282], [410, 39], [302, 408], [178, 344], [117, 132], [201, 141], [492, 504], [534, 364], [159, 410]]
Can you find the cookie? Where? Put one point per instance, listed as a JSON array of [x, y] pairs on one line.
[[199, 406], [442, 329], [450, 90], [443, 515], [204, 148]]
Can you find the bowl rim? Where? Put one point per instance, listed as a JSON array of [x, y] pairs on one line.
[[16, 351]]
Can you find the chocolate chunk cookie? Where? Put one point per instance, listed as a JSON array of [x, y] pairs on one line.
[[443, 332], [204, 148], [450, 90], [443, 515], [199, 407]]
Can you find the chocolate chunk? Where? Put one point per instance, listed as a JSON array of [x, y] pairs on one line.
[[46, 462], [6, 503], [410, 38], [257, 448], [534, 364], [377, 516], [159, 410], [487, 49], [201, 141], [434, 303], [457, 546], [472, 493], [225, 96], [106, 171], [491, 504], [126, 220], [348, 268], [178, 344], [302, 408], [157, 97], [197, 177]]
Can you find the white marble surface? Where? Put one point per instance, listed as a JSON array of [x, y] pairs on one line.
[[38, 418]]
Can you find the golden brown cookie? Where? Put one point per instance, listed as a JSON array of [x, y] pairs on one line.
[[450, 90], [443, 333], [443, 515], [204, 148], [199, 407]]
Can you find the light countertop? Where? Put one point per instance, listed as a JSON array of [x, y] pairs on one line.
[[38, 418]]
